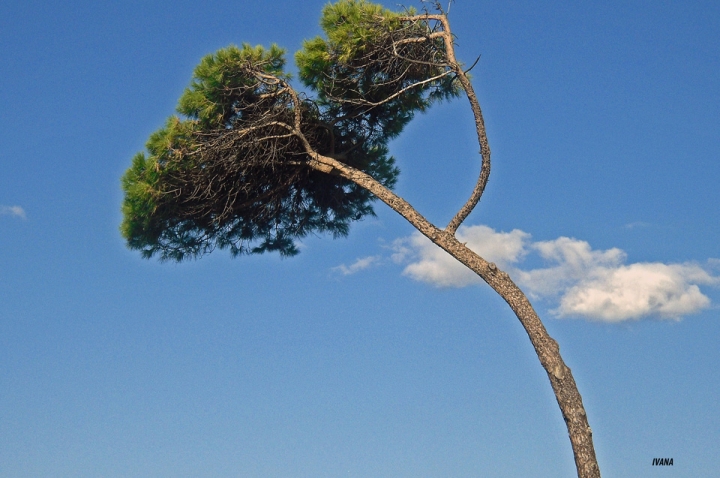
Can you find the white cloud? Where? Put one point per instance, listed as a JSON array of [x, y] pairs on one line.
[[637, 290], [13, 211], [588, 283], [357, 266], [574, 260], [435, 266]]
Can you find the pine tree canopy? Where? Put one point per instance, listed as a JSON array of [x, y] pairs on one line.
[[233, 171]]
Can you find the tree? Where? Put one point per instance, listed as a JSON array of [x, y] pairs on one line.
[[252, 164]]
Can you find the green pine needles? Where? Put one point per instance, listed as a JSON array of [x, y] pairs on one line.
[[235, 169]]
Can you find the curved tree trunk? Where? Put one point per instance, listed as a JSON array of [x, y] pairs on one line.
[[547, 349]]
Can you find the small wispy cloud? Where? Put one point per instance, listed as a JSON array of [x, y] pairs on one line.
[[637, 225], [357, 266], [16, 211], [583, 282]]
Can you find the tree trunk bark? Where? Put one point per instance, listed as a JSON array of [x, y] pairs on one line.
[[547, 349]]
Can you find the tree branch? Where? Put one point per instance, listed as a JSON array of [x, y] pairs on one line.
[[479, 188], [446, 33]]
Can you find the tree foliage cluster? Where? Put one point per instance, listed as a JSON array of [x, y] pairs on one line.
[[232, 169]]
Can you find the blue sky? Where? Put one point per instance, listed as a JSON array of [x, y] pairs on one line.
[[371, 355]]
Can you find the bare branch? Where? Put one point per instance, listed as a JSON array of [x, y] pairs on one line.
[[479, 188]]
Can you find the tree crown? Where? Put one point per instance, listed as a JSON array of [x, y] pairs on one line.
[[234, 170]]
